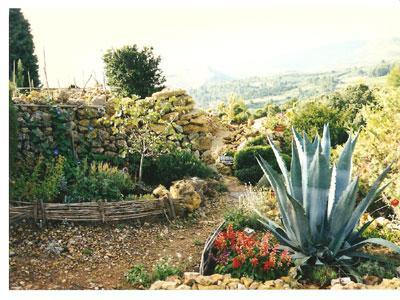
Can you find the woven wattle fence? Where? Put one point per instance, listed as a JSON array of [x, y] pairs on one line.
[[92, 211]]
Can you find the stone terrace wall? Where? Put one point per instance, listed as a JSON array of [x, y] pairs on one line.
[[75, 123]]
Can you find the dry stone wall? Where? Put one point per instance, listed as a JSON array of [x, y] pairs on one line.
[[75, 125]]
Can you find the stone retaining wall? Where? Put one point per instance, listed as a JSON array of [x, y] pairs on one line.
[[74, 123]]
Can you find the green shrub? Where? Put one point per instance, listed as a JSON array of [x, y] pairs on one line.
[[98, 181], [162, 270], [246, 166], [177, 165], [311, 117], [241, 218], [321, 275], [138, 276], [374, 268], [260, 140], [43, 183], [384, 233]]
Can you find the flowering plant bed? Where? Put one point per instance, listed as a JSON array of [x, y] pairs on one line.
[[249, 254]]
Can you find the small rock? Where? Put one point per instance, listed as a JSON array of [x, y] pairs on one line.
[[209, 287], [371, 280], [157, 285], [241, 287], [246, 281], [183, 287], [341, 281], [190, 277]]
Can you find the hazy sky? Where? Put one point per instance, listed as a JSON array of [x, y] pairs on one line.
[[239, 39]]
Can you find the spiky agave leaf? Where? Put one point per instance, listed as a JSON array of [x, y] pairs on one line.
[[317, 202]]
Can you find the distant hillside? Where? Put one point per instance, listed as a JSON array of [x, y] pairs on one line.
[[256, 91]]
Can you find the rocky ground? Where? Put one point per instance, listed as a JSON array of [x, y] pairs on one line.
[[75, 256], [195, 281]]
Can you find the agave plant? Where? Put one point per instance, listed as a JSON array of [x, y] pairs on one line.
[[317, 203]]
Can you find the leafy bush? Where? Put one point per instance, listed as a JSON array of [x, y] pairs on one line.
[[321, 275], [246, 166], [240, 218], [163, 269], [260, 140], [378, 144], [350, 102], [139, 277], [311, 117], [253, 255], [177, 165], [386, 233], [98, 181], [375, 268], [235, 111], [43, 184]]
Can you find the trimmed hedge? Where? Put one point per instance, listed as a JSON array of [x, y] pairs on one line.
[[246, 166]]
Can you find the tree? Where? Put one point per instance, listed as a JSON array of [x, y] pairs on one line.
[[394, 76], [21, 47], [311, 116], [133, 120], [133, 72], [350, 101]]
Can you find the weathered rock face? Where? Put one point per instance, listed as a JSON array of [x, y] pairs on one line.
[[81, 115], [187, 194]]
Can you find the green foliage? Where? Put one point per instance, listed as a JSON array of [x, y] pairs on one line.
[[260, 140], [241, 218], [317, 203], [163, 269], [378, 144], [393, 78], [235, 111], [177, 165], [87, 251], [138, 276], [13, 136], [383, 233], [321, 275], [133, 71], [98, 182], [43, 184], [350, 102], [311, 117], [374, 268], [21, 48], [246, 166]]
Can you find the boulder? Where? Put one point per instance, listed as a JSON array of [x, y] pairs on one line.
[[187, 194], [161, 192]]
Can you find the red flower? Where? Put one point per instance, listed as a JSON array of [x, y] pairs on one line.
[[394, 202], [254, 261], [236, 263], [220, 242], [268, 264]]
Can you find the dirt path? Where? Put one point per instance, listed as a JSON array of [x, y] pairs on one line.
[[97, 257]]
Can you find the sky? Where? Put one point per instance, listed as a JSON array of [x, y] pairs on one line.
[[237, 38]]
